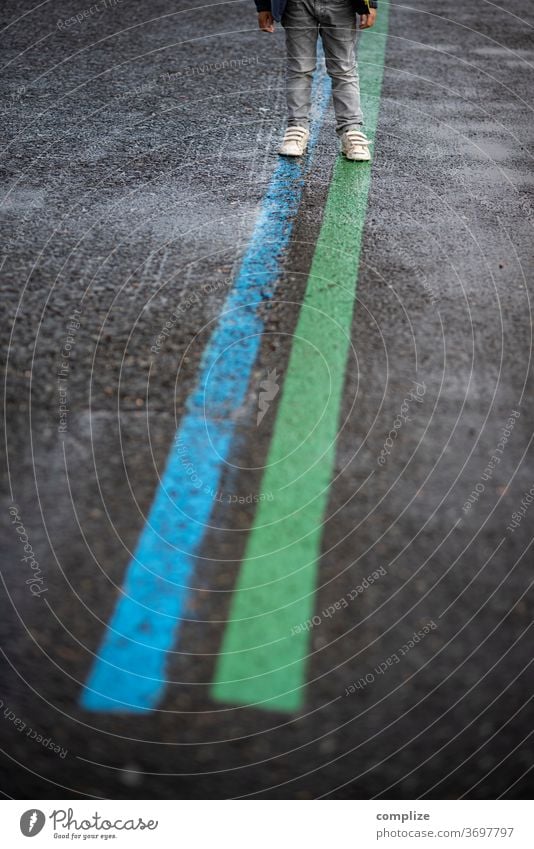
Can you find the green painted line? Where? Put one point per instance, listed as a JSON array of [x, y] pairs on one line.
[[263, 657]]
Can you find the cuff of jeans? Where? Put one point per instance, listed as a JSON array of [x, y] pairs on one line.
[[263, 5]]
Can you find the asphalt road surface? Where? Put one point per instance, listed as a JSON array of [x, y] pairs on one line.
[[332, 598]]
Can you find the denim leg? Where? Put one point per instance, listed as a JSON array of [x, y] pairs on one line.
[[301, 29], [338, 32]]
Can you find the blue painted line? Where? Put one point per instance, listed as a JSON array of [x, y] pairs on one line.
[[128, 674]]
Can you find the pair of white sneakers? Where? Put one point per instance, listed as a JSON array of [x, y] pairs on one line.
[[354, 144]]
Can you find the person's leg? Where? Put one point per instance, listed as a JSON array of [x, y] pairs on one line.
[[338, 29], [301, 29]]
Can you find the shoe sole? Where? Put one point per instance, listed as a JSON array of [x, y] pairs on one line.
[[291, 155], [357, 158]]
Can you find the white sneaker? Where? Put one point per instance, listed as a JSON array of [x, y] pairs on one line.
[[295, 142], [355, 146]]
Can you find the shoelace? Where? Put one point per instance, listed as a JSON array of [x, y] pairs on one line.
[[357, 138], [294, 134]]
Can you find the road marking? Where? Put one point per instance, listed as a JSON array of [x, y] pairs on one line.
[[262, 663], [128, 674]]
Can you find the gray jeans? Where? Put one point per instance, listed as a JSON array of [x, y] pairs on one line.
[[335, 22]]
